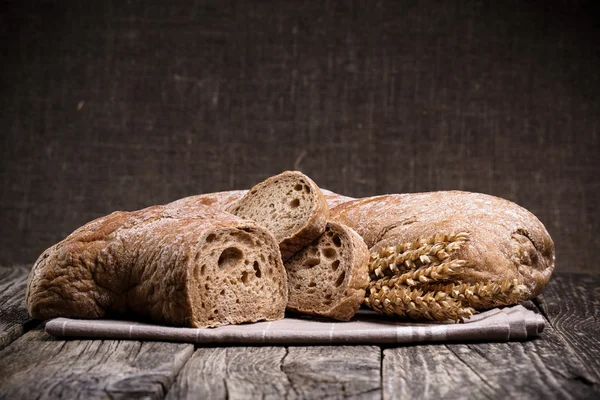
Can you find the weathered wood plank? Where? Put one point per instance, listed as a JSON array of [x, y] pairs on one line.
[[37, 365], [278, 372], [334, 371], [13, 314], [542, 368], [429, 372], [571, 303], [232, 372]]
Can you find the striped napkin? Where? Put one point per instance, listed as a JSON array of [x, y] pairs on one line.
[[367, 327]]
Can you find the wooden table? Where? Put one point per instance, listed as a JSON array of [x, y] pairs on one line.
[[563, 363]]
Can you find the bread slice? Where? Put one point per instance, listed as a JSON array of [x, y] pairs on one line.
[[182, 264], [290, 205], [329, 277]]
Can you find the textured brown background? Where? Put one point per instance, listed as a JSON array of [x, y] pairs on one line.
[[118, 105]]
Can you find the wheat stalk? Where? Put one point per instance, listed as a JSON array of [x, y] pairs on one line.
[[433, 250], [423, 275], [404, 301], [484, 295]]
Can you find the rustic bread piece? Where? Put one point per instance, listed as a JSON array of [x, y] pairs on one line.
[[290, 205], [183, 264], [447, 251], [216, 200], [329, 277], [226, 199], [333, 199]]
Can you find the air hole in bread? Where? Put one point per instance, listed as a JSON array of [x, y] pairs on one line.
[[270, 272], [229, 257], [222, 292], [206, 286], [335, 265], [337, 241], [306, 189], [257, 270], [298, 187], [327, 302], [311, 290], [237, 301], [245, 277], [294, 203], [203, 269], [311, 262], [211, 237], [340, 278], [312, 284], [297, 286], [329, 252], [328, 296]]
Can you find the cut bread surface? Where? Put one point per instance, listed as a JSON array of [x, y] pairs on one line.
[[329, 277], [236, 277], [290, 205]]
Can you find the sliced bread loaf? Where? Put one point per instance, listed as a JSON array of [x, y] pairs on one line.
[[329, 277], [290, 205], [181, 264]]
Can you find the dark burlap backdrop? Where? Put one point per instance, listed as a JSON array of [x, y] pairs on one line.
[[114, 105]]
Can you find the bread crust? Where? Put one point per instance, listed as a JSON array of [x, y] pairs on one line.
[[506, 241], [216, 200], [137, 262]]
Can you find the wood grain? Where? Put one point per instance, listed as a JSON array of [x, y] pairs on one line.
[[334, 371], [278, 372], [13, 314], [537, 369], [36, 365], [571, 303]]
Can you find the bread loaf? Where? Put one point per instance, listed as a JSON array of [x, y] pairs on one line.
[[217, 200], [223, 200], [290, 205], [329, 277], [182, 264], [437, 255]]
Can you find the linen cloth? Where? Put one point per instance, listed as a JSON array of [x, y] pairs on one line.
[[367, 327]]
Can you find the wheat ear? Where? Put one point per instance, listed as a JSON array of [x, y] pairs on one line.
[[404, 257], [423, 275], [484, 295], [404, 301]]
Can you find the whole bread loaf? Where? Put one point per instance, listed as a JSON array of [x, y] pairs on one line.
[[183, 264], [470, 250]]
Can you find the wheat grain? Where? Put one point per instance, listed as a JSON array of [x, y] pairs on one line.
[[404, 257], [483, 295], [404, 301], [431, 274]]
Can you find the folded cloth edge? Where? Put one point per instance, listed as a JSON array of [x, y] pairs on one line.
[[496, 325]]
